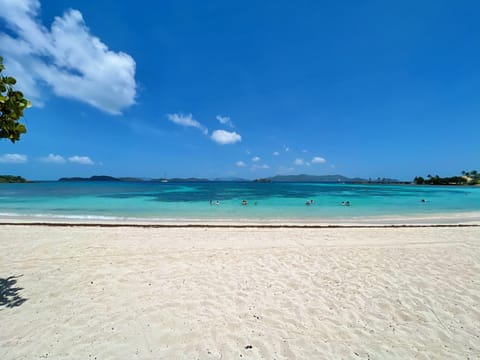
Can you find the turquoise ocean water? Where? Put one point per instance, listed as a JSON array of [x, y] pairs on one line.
[[266, 201]]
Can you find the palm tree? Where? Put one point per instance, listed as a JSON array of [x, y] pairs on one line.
[[474, 175]]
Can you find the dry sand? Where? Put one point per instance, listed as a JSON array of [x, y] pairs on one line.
[[232, 293]]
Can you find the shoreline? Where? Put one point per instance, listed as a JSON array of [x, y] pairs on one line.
[[235, 226], [440, 219]]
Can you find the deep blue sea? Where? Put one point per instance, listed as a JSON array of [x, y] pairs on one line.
[[152, 201]]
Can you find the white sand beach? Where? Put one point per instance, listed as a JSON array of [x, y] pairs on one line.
[[90, 292]]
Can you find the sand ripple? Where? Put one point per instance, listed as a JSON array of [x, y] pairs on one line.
[[242, 293]]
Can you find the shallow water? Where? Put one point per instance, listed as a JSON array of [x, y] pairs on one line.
[[266, 201]]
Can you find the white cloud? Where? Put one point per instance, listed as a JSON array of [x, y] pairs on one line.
[[318, 160], [301, 162], [58, 159], [82, 160], [223, 137], [276, 153], [240, 164], [54, 159], [67, 58], [286, 148], [13, 159], [224, 120], [186, 120], [256, 159]]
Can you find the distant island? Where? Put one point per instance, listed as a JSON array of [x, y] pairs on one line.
[[12, 179], [330, 179], [263, 180], [466, 178], [130, 179], [277, 178], [92, 178]]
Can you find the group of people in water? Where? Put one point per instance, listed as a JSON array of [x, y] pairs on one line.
[[308, 202], [311, 202], [244, 202]]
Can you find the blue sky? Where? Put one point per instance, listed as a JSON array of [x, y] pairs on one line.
[[243, 88]]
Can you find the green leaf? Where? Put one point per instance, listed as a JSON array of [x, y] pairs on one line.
[[12, 105], [10, 80], [20, 128]]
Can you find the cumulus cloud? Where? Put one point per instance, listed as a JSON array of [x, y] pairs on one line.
[[276, 153], [256, 159], [223, 137], [240, 164], [82, 160], [54, 159], [224, 120], [67, 58], [318, 160], [186, 120], [13, 159]]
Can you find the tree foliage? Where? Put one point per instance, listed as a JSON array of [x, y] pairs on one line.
[[12, 105], [11, 179], [467, 178]]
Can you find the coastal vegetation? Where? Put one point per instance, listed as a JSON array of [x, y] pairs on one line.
[[12, 179], [12, 105], [466, 178]]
